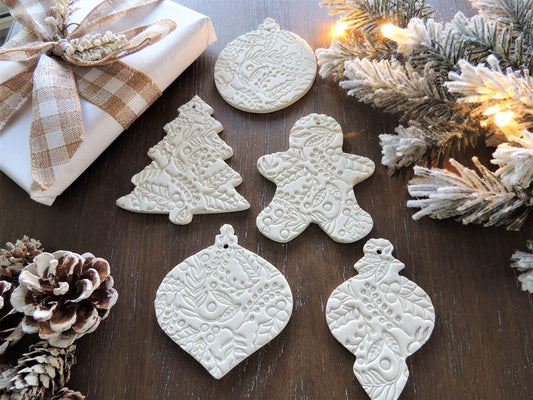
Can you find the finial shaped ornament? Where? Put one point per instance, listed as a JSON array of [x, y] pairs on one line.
[[265, 70], [188, 174], [223, 303], [382, 318], [315, 180]]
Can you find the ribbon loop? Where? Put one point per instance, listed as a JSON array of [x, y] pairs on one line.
[[106, 12], [32, 14], [66, 65]]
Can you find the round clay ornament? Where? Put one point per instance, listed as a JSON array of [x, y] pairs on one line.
[[265, 70]]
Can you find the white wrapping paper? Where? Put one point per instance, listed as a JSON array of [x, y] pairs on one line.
[[163, 61]]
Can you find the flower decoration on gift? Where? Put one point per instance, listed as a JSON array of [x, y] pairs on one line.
[[67, 60]]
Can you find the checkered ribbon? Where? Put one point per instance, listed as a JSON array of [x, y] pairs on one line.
[[55, 79]]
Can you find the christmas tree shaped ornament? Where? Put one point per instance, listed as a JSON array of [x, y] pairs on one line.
[[265, 70], [223, 303], [315, 182], [188, 174], [382, 318]]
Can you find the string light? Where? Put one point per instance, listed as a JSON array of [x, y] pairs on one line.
[[387, 30], [503, 118], [492, 110], [505, 121], [392, 32], [340, 27]]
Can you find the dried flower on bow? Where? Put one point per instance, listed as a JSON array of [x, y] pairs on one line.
[[64, 295]]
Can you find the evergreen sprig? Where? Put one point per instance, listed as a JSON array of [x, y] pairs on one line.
[[515, 160], [480, 199], [447, 82], [361, 39], [486, 87], [511, 12]]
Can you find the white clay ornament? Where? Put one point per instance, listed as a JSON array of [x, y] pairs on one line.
[[265, 70], [188, 174], [382, 318], [315, 182], [223, 303]]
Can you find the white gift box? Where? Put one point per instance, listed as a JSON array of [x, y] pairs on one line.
[[163, 61]]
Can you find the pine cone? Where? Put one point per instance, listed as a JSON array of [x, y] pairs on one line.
[[67, 394], [38, 374], [15, 256], [64, 296], [10, 319]]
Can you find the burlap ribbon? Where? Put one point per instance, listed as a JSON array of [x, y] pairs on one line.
[[57, 73]]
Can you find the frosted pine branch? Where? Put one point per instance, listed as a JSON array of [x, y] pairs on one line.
[[515, 160], [418, 36], [479, 199], [523, 262], [368, 15], [486, 86], [363, 18], [332, 59], [516, 12], [413, 144], [397, 89], [405, 148], [415, 96], [485, 37]]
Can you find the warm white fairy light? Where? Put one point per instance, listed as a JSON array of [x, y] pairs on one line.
[[505, 121], [340, 27], [492, 110], [392, 32], [503, 118]]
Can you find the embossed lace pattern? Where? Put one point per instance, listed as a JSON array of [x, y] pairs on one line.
[[265, 70], [188, 174], [382, 318], [315, 182], [223, 303]]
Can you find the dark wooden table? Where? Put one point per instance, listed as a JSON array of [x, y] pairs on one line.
[[480, 349]]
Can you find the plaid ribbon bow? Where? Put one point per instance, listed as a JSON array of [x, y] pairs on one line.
[[64, 64]]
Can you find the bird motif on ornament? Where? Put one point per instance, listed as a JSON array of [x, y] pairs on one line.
[[223, 303]]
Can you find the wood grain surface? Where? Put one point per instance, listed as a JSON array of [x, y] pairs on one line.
[[481, 347]]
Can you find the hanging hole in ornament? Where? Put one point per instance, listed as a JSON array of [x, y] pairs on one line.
[[379, 251], [226, 246], [318, 122], [194, 106]]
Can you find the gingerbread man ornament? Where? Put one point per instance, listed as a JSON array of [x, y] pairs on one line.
[[315, 182]]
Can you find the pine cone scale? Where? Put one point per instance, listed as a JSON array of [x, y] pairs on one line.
[[60, 322], [105, 297], [88, 320], [67, 394], [30, 279], [10, 319], [99, 265]]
